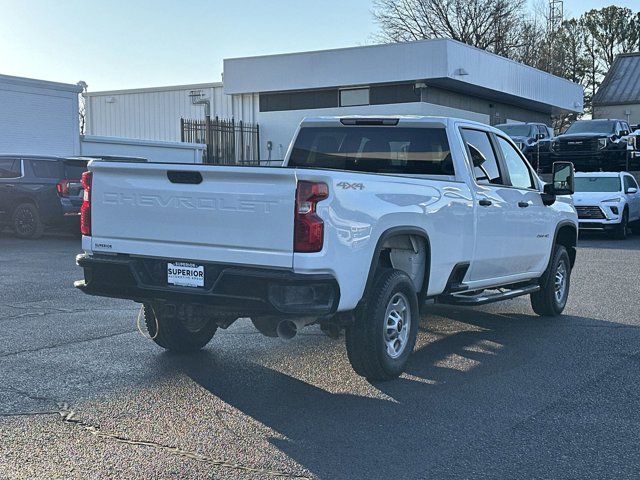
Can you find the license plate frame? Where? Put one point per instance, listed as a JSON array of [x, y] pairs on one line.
[[185, 274]]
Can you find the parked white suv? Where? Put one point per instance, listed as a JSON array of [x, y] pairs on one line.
[[608, 201], [367, 220]]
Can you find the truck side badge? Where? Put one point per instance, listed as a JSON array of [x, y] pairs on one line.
[[347, 185]]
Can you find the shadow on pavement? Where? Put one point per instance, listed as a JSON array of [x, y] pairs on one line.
[[467, 395]]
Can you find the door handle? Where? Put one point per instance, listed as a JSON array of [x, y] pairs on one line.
[[523, 204], [484, 202]]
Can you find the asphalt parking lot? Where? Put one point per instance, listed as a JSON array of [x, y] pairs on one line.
[[492, 392]]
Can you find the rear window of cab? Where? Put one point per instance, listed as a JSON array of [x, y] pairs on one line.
[[374, 149]]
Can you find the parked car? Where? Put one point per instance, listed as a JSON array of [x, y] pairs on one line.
[[596, 145], [533, 140], [440, 209], [39, 191], [608, 201]]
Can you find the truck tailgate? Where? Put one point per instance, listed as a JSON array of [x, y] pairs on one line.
[[239, 215]]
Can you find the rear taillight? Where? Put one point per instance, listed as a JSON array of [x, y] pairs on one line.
[[308, 227], [63, 188], [85, 209]]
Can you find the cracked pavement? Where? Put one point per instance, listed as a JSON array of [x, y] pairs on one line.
[[491, 392]]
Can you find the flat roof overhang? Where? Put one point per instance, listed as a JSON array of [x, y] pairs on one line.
[[444, 63]]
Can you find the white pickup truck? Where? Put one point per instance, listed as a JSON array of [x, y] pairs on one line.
[[368, 220]]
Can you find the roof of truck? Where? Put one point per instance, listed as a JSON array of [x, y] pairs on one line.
[[401, 119]]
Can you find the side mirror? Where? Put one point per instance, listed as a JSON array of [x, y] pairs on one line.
[[631, 190], [563, 178], [562, 183]]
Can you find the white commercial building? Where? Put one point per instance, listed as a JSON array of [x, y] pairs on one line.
[[430, 77], [38, 117]]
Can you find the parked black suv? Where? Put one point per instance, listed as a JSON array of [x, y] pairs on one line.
[[596, 145], [39, 191], [531, 138]]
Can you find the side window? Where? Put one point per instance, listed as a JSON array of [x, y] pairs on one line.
[[629, 182], [10, 168], [482, 156], [519, 173], [45, 169]]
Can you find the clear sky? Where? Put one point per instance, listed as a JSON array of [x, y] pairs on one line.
[[117, 44]]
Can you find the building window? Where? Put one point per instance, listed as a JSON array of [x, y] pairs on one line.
[[303, 100], [394, 93], [354, 97]]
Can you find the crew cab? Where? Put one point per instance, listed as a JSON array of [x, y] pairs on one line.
[[38, 192], [596, 145], [368, 220], [533, 140], [608, 201]]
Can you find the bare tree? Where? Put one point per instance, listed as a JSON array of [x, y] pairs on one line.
[[492, 25], [82, 107]]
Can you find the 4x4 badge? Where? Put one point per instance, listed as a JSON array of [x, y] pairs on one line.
[[347, 185]]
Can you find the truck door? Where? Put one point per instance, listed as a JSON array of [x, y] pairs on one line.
[[534, 217], [502, 246]]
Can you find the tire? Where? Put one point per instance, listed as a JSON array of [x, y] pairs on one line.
[[26, 221], [546, 302], [379, 343], [620, 232], [174, 333]]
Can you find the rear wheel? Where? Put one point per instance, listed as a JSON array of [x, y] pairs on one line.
[[620, 232], [26, 221], [552, 297], [177, 333], [384, 332]]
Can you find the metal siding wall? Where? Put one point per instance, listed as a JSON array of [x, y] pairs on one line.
[[155, 115], [38, 120]]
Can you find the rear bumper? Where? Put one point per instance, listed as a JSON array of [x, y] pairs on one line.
[[233, 289]]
